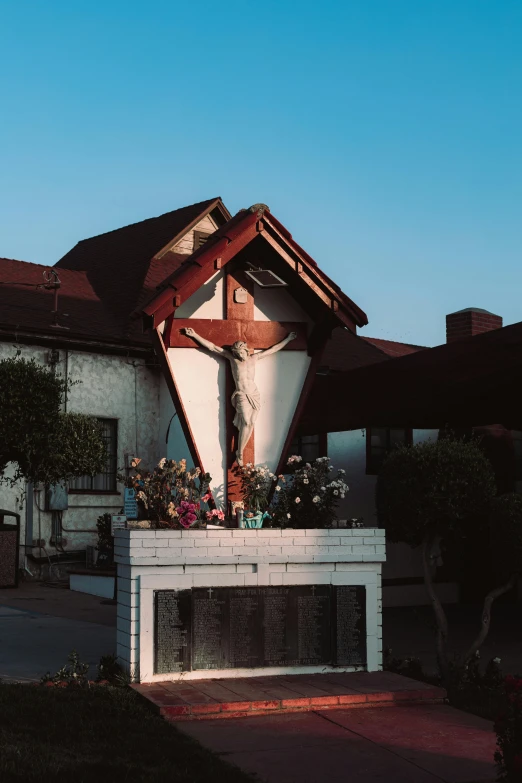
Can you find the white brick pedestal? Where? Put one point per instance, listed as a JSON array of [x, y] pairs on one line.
[[150, 560]]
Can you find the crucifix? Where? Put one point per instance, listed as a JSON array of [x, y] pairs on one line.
[[246, 398], [237, 330]]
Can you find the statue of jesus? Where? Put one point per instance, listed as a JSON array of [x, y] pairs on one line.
[[246, 398]]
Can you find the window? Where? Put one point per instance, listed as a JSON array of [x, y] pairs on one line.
[[106, 481], [200, 237], [309, 447], [380, 441]]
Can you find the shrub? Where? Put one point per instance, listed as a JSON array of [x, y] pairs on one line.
[[508, 727]]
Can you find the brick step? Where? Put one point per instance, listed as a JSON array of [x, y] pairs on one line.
[[234, 698]]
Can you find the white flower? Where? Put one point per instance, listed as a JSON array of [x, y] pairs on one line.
[[298, 500], [258, 486], [496, 660], [288, 516], [323, 489], [336, 491], [330, 467], [342, 495], [161, 463], [278, 488], [341, 471], [305, 481], [316, 499], [308, 466]]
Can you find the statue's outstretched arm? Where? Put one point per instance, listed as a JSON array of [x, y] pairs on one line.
[[277, 347], [204, 343]]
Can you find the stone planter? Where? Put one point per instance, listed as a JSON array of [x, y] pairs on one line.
[[151, 561]]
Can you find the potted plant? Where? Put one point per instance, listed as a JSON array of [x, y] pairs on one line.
[[171, 496], [257, 483]]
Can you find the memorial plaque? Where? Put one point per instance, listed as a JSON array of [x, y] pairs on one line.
[[350, 625], [253, 627], [172, 642], [210, 629]]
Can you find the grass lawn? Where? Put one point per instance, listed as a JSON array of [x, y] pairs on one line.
[[96, 735]]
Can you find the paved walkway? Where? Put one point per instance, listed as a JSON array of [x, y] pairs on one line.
[[40, 626], [408, 744]]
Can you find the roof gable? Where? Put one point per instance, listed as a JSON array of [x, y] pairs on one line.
[[248, 226]]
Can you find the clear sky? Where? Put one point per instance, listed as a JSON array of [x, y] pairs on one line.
[[385, 134]]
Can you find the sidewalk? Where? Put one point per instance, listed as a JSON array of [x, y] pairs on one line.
[[417, 744], [39, 626]]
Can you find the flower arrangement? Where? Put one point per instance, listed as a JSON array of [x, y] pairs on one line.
[[508, 727], [257, 483], [170, 495], [309, 496]]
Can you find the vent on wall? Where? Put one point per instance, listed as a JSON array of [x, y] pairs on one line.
[[265, 278], [200, 237]]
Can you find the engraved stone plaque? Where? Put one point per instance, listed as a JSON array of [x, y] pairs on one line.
[[240, 295], [172, 642], [253, 627]]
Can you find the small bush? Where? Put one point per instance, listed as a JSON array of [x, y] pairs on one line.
[[508, 727]]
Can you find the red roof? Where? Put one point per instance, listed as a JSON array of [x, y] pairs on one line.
[[392, 348]]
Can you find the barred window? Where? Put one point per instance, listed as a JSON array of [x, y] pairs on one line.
[[106, 481], [380, 441]]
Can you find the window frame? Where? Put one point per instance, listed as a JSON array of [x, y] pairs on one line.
[[371, 468], [322, 446], [111, 455]]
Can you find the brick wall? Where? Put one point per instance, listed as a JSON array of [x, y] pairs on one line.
[[151, 560]]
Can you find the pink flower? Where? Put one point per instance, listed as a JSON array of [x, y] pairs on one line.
[[206, 497]]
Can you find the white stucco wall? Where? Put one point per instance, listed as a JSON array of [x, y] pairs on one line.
[[111, 387], [201, 380]]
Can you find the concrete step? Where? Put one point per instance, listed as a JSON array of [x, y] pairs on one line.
[[250, 696]]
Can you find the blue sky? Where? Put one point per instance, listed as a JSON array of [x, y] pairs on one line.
[[385, 134]]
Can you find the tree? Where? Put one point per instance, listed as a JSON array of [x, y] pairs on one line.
[[445, 490], [44, 444]]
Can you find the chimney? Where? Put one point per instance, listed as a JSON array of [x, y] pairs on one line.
[[469, 322]]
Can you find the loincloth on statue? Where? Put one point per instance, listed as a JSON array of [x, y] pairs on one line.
[[244, 404]]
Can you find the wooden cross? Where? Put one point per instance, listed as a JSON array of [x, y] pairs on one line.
[[239, 324]]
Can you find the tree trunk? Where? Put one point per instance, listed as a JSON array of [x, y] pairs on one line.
[[486, 617], [440, 615]]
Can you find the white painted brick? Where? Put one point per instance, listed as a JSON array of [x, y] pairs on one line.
[[374, 558], [185, 543], [364, 549], [168, 534], [300, 541], [143, 560], [245, 568], [380, 531], [162, 543], [380, 549], [201, 560], [300, 559], [316, 550], [210, 569], [317, 533], [276, 578], [218, 534], [275, 542], [219, 580], [244, 550], [270, 550], [307, 578], [228, 560], [263, 559], [171, 561], [199, 542], [288, 532], [355, 566], [303, 567], [277, 567], [235, 542], [218, 551], [269, 532], [148, 542], [251, 580], [197, 551], [292, 551], [241, 533], [368, 533], [344, 532], [340, 550], [195, 534]]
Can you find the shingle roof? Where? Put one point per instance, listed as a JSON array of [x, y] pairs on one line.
[[392, 348]]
